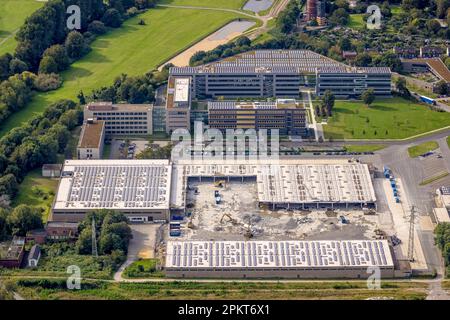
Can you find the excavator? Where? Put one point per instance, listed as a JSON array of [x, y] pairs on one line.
[[248, 233], [220, 184]]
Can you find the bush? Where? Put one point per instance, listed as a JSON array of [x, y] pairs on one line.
[[112, 18], [132, 12], [47, 82], [97, 27]]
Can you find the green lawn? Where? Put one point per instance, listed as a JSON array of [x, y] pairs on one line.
[[393, 118], [356, 21], [37, 191], [12, 16], [131, 49], [184, 290], [228, 4], [364, 148], [422, 148], [145, 268]]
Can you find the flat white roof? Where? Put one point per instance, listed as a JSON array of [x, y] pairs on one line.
[[278, 254], [442, 214], [114, 184], [181, 90]]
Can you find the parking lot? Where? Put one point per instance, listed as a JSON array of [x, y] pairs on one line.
[[127, 149]]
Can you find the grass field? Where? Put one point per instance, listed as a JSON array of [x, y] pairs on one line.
[[422, 148], [131, 49], [12, 16], [37, 191], [145, 268], [364, 148], [229, 290], [393, 118], [228, 4], [356, 21]]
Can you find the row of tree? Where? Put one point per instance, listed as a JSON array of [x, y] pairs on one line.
[[442, 240], [19, 220], [46, 47], [139, 89], [112, 233], [37, 142]]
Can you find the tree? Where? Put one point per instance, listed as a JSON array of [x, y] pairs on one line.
[[368, 97], [9, 185], [17, 66], [112, 18], [442, 239], [441, 87], [3, 223], [5, 60], [339, 17], [24, 218], [400, 85], [75, 45], [363, 60], [345, 44], [84, 242], [433, 26], [97, 27], [48, 65], [328, 102], [59, 55]]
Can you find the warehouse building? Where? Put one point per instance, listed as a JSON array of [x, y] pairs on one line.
[[281, 73], [92, 140], [149, 190], [278, 259], [138, 188], [281, 184], [285, 115], [122, 119]]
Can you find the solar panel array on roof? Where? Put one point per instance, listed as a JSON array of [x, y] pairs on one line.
[[134, 186], [278, 62], [277, 254], [445, 190]]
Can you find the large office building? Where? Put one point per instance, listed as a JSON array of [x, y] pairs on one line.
[[278, 259], [285, 115], [138, 188], [281, 74], [352, 81], [122, 119]]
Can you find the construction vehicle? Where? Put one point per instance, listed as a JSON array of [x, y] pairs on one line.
[[248, 233], [220, 183], [230, 219]]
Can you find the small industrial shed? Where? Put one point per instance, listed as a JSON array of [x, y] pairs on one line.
[[51, 170], [34, 256]]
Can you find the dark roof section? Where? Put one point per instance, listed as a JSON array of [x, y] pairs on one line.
[[34, 252]]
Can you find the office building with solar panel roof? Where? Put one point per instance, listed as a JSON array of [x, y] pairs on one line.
[[281, 73]]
